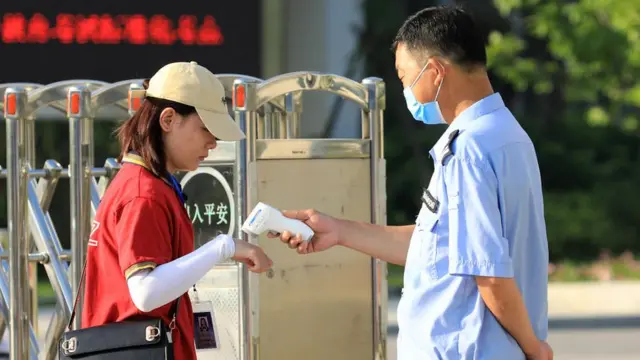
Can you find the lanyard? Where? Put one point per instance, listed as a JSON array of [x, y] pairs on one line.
[[177, 187], [170, 179]]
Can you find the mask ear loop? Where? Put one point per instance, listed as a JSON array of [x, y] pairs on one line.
[[439, 86], [438, 91], [419, 75]]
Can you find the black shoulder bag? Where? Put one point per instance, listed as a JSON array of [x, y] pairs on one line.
[[127, 340]]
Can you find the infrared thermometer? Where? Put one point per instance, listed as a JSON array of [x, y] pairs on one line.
[[265, 218]]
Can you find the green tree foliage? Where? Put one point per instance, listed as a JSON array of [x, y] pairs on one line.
[[576, 65], [593, 54]]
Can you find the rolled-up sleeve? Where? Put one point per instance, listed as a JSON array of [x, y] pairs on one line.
[[476, 243]]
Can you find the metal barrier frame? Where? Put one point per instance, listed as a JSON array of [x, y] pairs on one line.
[[29, 201], [268, 111], [248, 97]]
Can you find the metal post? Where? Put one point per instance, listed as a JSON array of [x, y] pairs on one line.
[[275, 116], [293, 103], [15, 103], [263, 125], [78, 112], [239, 105], [376, 101], [88, 143], [30, 157], [243, 94], [373, 117]]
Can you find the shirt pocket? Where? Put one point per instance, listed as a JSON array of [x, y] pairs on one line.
[[427, 226]]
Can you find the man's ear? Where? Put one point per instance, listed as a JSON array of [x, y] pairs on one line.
[[439, 69], [167, 116]]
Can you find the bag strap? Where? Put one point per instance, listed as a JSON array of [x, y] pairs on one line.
[[173, 312]]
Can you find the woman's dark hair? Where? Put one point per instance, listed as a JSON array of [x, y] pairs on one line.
[[142, 133]]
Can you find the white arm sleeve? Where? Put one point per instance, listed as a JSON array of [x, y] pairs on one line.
[[151, 289]]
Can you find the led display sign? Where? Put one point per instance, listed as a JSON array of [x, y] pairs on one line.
[[44, 41]]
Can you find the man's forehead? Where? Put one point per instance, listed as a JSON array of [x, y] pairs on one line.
[[399, 54], [400, 61], [404, 57]]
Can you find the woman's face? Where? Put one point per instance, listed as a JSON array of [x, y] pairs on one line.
[[186, 140]]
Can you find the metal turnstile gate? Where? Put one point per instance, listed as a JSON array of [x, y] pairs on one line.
[[32, 234], [329, 305]]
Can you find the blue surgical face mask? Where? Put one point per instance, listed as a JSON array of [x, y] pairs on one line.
[[428, 113]]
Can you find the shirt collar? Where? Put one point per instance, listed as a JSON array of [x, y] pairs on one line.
[[133, 158], [481, 108]]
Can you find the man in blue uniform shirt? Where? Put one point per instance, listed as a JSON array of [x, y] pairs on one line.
[[475, 283]]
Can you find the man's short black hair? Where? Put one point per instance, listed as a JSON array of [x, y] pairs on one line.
[[447, 31]]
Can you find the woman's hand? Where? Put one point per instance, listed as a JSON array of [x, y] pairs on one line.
[[251, 255]]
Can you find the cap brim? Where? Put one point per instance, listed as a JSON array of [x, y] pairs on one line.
[[222, 126]]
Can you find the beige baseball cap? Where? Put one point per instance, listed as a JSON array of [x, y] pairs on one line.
[[191, 84]]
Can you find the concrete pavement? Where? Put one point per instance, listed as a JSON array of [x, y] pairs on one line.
[[576, 344], [572, 338], [584, 335]]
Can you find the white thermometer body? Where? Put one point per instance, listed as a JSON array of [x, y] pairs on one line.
[[265, 218]]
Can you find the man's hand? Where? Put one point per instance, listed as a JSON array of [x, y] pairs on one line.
[[324, 226], [388, 243], [502, 297], [544, 352]]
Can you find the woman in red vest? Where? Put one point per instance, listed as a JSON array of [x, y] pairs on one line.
[[141, 258]]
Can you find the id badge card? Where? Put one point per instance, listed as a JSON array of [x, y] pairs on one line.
[[204, 323]]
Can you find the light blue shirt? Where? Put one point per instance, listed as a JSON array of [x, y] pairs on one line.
[[489, 221]]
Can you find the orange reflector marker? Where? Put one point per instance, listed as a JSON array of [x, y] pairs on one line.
[[10, 104], [133, 101], [239, 96], [74, 103]]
